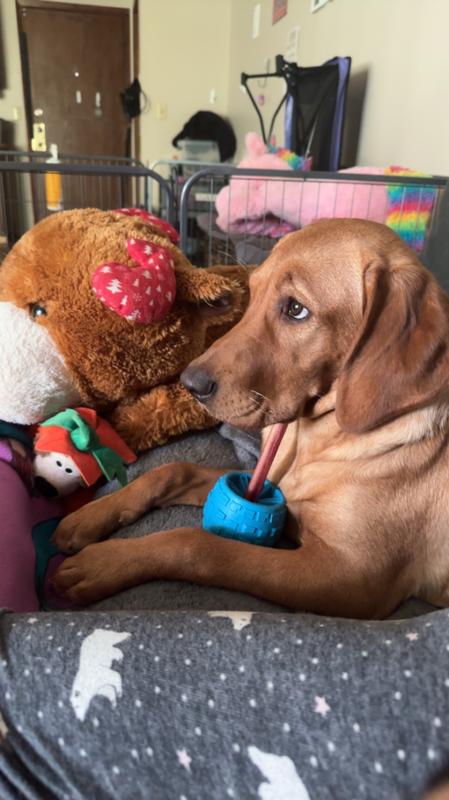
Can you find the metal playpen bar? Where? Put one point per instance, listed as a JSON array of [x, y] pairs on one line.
[[244, 220], [227, 213], [84, 182], [39, 156]]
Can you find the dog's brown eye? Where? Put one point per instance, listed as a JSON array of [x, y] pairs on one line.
[[295, 310], [37, 310]]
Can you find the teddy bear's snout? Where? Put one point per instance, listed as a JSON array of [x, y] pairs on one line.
[[34, 381]]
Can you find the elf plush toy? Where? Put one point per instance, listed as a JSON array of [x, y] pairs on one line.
[[74, 449], [102, 309]]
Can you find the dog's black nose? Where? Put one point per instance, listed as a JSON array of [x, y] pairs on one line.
[[199, 383]]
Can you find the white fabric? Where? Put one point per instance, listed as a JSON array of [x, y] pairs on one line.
[[34, 381]]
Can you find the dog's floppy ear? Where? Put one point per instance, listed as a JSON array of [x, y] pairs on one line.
[[400, 359]]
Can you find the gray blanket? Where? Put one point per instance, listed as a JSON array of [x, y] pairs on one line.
[[212, 706]]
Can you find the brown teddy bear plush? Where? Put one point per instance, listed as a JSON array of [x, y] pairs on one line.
[[102, 309]]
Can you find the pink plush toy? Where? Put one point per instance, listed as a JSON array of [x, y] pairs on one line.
[[275, 207]]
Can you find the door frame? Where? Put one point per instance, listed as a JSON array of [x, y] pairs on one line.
[[55, 6], [136, 70]]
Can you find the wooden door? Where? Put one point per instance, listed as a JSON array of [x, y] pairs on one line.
[[75, 63]]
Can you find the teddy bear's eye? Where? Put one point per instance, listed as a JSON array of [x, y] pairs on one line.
[[37, 310]]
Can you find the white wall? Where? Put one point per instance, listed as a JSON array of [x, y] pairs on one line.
[[403, 46], [188, 47], [184, 53]]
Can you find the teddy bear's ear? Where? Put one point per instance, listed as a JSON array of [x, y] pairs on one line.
[[146, 216], [215, 290]]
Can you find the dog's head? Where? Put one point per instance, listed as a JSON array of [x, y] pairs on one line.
[[342, 304]]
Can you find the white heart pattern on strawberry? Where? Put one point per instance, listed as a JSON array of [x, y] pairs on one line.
[[144, 293]]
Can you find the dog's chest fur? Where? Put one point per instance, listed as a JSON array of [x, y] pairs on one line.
[[347, 488]]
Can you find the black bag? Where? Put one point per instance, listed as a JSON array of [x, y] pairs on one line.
[[205, 125], [130, 98]]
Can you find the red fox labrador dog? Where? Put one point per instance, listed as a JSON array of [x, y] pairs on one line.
[[346, 338]]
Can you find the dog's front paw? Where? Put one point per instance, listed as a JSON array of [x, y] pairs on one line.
[[79, 529], [97, 520], [98, 571]]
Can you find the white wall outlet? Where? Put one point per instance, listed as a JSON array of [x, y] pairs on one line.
[[291, 49], [161, 111], [256, 20], [212, 97]]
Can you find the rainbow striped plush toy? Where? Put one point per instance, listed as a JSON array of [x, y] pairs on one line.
[[293, 160], [409, 208]]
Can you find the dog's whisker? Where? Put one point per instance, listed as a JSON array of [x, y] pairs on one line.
[[252, 407], [259, 403], [256, 399], [233, 258], [259, 394]]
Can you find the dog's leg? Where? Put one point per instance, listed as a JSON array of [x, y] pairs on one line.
[[171, 484], [313, 578]]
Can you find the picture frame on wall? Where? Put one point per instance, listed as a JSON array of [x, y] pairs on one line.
[[280, 8]]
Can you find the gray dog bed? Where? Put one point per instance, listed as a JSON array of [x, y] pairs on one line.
[[226, 447], [230, 449]]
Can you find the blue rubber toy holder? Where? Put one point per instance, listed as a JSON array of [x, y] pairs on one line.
[[227, 513]]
